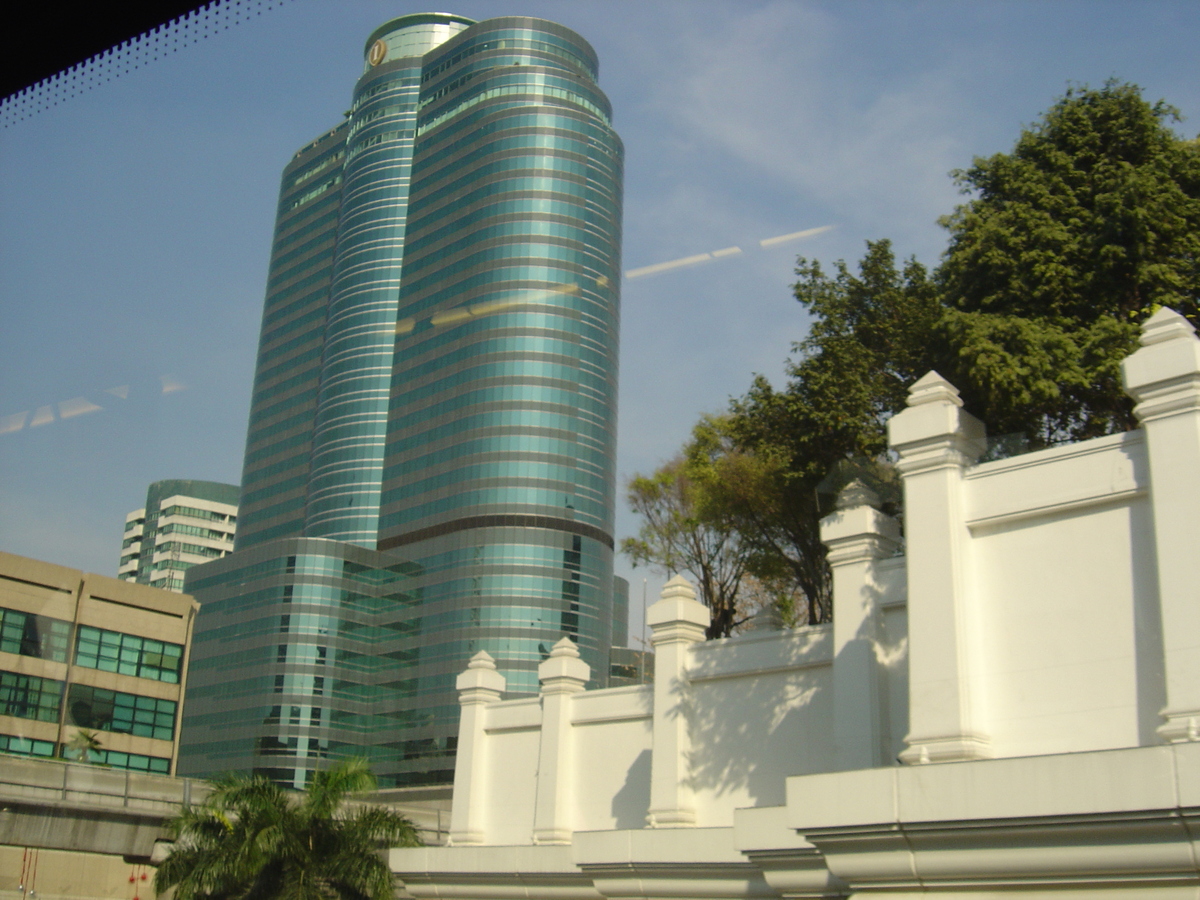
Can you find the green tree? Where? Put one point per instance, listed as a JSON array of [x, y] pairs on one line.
[[1064, 246], [1068, 242], [679, 535], [791, 450], [252, 840]]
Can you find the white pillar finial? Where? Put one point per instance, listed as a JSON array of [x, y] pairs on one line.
[[678, 588], [1165, 325], [856, 494], [933, 388], [482, 660]]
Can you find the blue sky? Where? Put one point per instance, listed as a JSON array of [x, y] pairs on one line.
[[135, 220]]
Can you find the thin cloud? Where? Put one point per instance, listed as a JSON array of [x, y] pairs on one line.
[[877, 157]]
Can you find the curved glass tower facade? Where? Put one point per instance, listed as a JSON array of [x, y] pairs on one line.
[[499, 477], [435, 401], [356, 368]]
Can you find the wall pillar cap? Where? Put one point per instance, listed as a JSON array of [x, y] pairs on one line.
[[859, 533], [1165, 325], [563, 671], [1163, 374], [856, 494], [933, 388], [678, 607], [481, 675], [564, 647], [482, 660], [678, 587], [935, 430]]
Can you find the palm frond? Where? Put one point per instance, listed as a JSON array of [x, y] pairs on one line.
[[252, 840]]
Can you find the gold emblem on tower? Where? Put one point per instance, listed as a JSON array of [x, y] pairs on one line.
[[377, 53]]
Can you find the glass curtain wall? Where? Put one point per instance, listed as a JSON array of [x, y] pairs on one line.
[[499, 478], [351, 417], [291, 346], [307, 655]]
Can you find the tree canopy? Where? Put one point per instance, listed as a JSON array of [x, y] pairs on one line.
[[1064, 245], [1068, 242], [253, 840]]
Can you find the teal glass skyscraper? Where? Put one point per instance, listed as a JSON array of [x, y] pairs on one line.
[[430, 461]]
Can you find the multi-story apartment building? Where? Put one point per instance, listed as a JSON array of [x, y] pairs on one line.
[[430, 463], [86, 652], [183, 523]]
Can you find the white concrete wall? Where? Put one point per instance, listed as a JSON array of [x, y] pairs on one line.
[[1053, 604], [1031, 661], [1034, 585], [613, 739], [756, 709], [513, 730], [772, 688]]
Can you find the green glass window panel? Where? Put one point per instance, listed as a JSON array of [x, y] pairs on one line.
[[133, 762], [28, 634], [23, 746], [105, 710], [127, 654], [30, 697]]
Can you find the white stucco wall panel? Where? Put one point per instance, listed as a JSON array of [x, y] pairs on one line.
[[613, 705], [514, 714], [892, 654], [1058, 597], [772, 725], [1187, 774], [1102, 470], [1076, 784], [511, 784], [761, 651], [612, 774], [696, 846], [891, 580]]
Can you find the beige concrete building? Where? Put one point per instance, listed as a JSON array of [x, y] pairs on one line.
[[80, 651]]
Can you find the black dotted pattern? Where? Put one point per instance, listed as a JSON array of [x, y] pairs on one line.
[[146, 48]]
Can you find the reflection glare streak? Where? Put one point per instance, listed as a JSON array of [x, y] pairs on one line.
[[75, 406]]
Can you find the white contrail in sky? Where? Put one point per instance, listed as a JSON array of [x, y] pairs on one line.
[[794, 236], [720, 254], [680, 263]]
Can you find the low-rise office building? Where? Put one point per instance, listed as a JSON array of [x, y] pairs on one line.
[[84, 652]]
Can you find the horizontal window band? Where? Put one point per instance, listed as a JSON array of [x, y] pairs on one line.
[[498, 521]]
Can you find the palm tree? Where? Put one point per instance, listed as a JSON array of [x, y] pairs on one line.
[[253, 840], [84, 743]]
